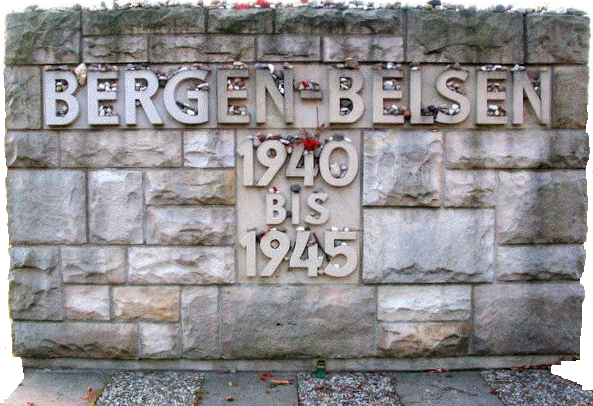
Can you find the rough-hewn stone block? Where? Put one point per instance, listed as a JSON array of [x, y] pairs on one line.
[[402, 168], [209, 149], [540, 262], [470, 189], [159, 341], [86, 302], [22, 95], [569, 106], [190, 186], [542, 207], [35, 288], [428, 246], [527, 318], [188, 225], [363, 48], [115, 206], [199, 318], [43, 37], [121, 148], [95, 265], [181, 265], [205, 48], [146, 303], [144, 20], [465, 36], [77, 340], [280, 48], [46, 206], [377, 21], [115, 49], [407, 340], [32, 150], [424, 303], [557, 38], [296, 321], [517, 149], [309, 20], [241, 21]]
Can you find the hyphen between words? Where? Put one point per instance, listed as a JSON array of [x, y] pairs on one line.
[[114, 96]]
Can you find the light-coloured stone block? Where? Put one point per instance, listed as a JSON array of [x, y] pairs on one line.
[[22, 95], [32, 150], [542, 207], [190, 225], [402, 168], [146, 303], [540, 262], [280, 48], [309, 20], [205, 48], [199, 318], [85, 302], [409, 340], [159, 341], [96, 265], [527, 318], [209, 149], [120, 148], [240, 21], [424, 303], [190, 186], [297, 321], [182, 265], [557, 38], [363, 48], [115, 49], [470, 189], [75, 340], [569, 106], [428, 246], [115, 206], [46, 206]]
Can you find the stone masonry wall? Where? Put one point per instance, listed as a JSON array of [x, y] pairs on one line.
[[123, 240]]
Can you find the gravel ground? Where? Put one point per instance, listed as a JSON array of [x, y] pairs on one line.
[[347, 389], [152, 389], [537, 387]]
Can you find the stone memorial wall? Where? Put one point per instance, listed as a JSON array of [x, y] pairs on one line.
[[398, 188]]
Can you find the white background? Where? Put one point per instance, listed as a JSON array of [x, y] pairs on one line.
[[11, 368]]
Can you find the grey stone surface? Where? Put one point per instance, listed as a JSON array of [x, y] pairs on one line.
[[209, 149], [280, 48], [190, 186], [409, 340], [205, 48], [46, 206], [309, 20], [241, 21], [93, 265], [181, 18], [465, 36], [75, 339], [190, 225], [200, 322], [527, 318], [43, 37], [120, 148], [296, 321], [540, 262], [146, 303], [34, 284], [569, 105], [469, 189], [402, 168], [86, 302], [557, 38], [115, 206], [428, 246], [181, 265], [22, 97], [159, 341], [363, 48], [32, 149], [378, 21], [423, 303], [115, 49], [542, 207], [517, 149]]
